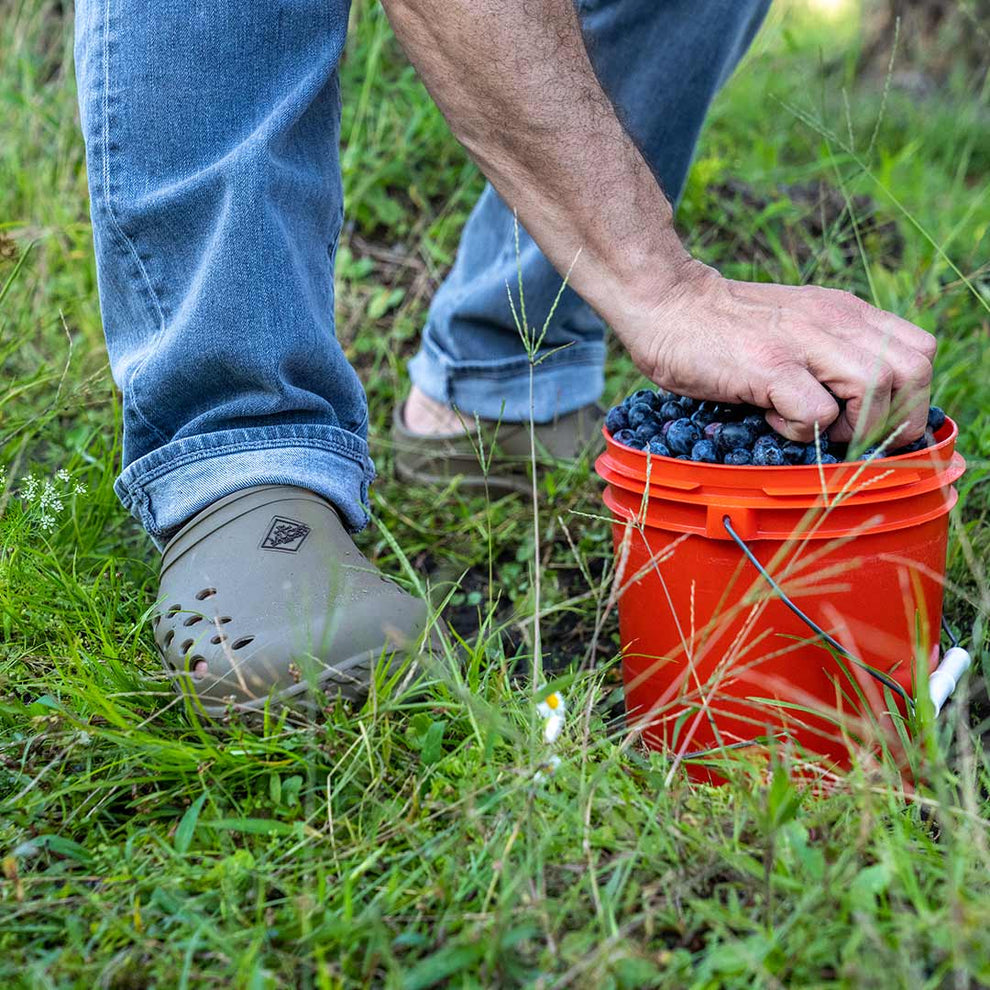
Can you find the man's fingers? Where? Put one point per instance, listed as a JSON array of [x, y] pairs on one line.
[[865, 380], [907, 350], [911, 383], [910, 396], [802, 351], [799, 402], [847, 314], [904, 332], [909, 413]]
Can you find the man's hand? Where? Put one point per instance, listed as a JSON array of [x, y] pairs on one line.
[[791, 350], [517, 87]]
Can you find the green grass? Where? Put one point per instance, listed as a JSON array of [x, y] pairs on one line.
[[408, 844]]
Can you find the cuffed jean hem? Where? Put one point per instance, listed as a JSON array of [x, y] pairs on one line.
[[165, 488], [499, 389]]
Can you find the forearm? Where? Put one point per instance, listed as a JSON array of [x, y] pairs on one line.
[[517, 87]]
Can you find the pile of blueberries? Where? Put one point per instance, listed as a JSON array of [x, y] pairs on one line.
[[668, 425]]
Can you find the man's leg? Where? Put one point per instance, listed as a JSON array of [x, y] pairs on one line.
[[211, 133], [661, 62]]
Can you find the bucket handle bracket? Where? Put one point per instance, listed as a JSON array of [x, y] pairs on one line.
[[744, 521]]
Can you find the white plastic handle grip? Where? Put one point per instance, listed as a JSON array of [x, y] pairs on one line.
[[946, 676]]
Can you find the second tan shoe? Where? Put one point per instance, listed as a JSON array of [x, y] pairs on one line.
[[437, 459]]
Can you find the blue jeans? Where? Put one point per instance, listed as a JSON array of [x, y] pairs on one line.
[[211, 136]]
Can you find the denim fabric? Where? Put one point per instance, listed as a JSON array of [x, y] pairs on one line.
[[211, 134], [661, 62]]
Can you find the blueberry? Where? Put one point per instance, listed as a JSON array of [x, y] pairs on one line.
[[735, 436], [616, 420], [766, 450], [683, 457], [757, 423], [731, 412], [794, 452], [646, 395], [682, 435], [638, 413], [658, 448], [688, 405], [704, 450], [703, 417], [811, 456], [671, 410], [912, 448], [752, 435], [870, 454], [627, 437], [768, 455], [738, 456], [711, 430], [645, 432], [829, 459], [936, 419]]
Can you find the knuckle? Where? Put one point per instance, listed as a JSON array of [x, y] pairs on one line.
[[823, 412], [852, 300], [823, 300], [777, 360], [928, 345], [919, 370], [847, 301], [882, 378], [842, 312]]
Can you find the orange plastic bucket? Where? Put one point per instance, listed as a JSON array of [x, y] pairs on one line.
[[712, 658]]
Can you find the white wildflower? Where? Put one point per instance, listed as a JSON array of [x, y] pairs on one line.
[[552, 709], [552, 727], [44, 498], [552, 704], [51, 500]]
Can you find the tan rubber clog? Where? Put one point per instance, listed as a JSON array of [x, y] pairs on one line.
[[264, 594]]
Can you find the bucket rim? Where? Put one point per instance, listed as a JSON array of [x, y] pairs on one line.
[[784, 480], [866, 492]]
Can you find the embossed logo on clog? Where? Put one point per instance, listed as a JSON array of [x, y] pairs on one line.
[[286, 535]]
